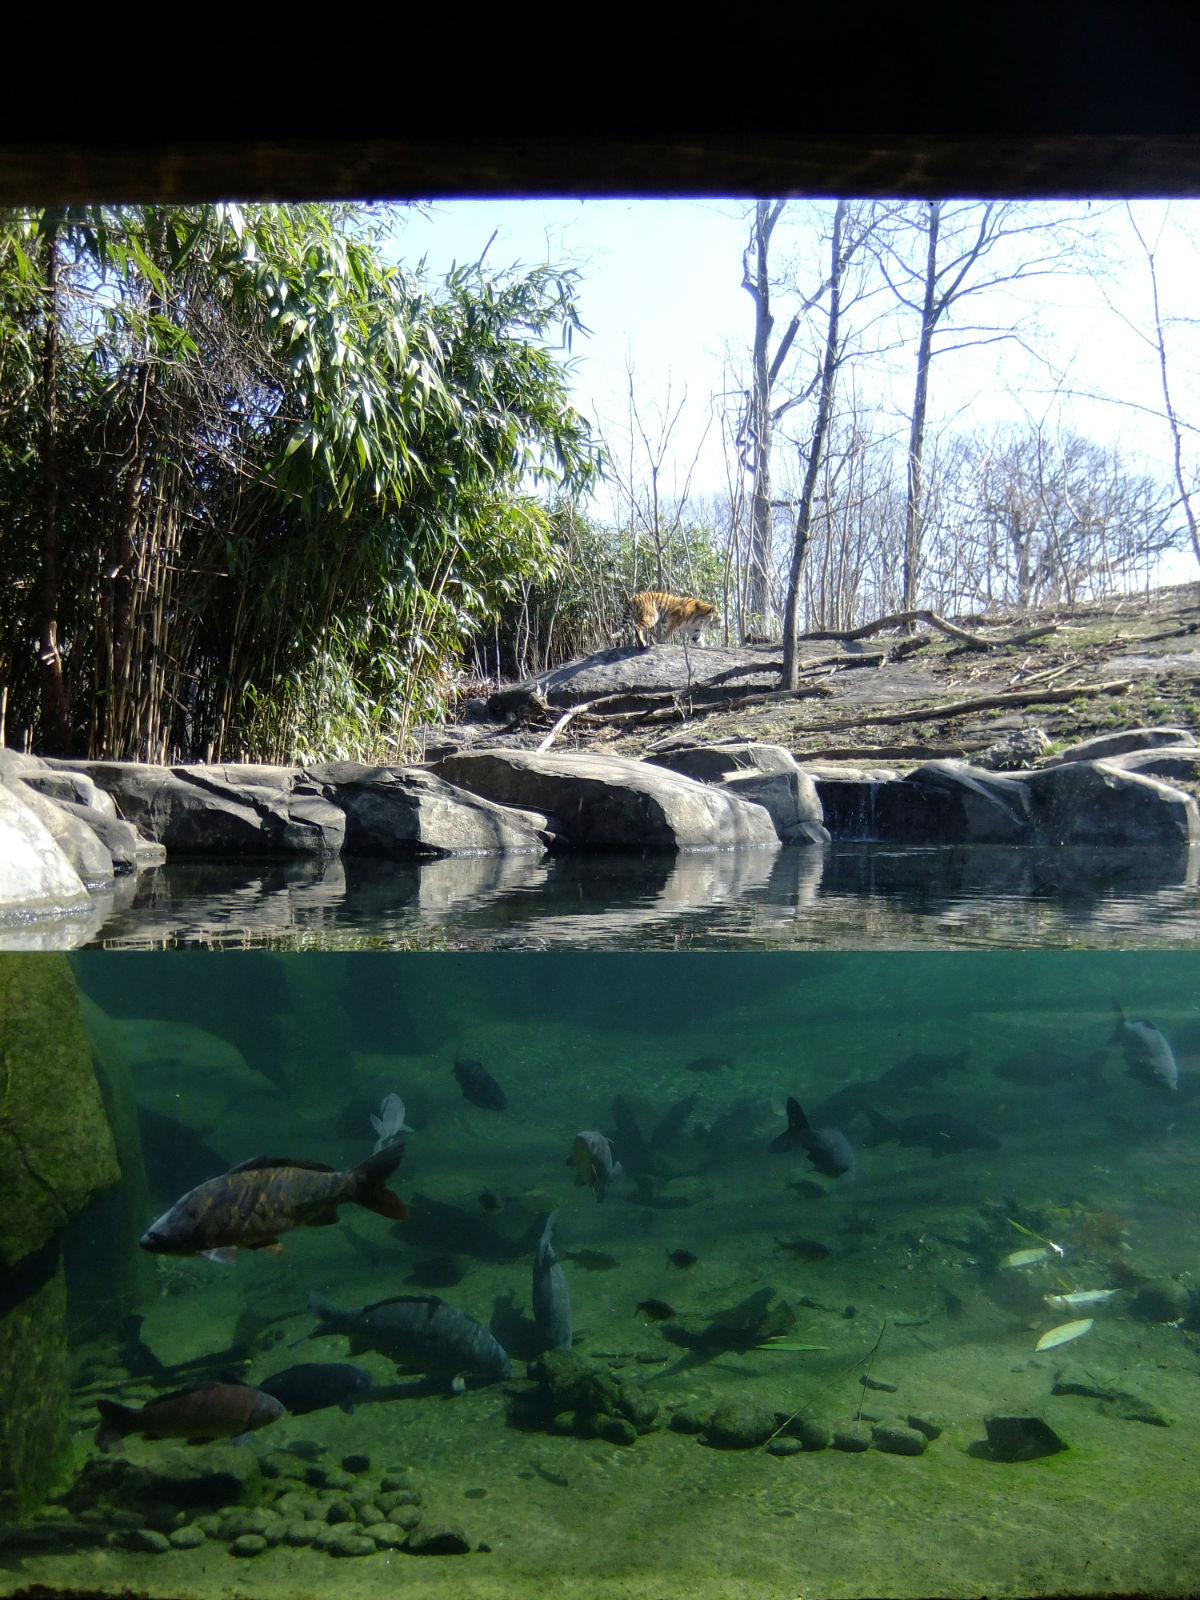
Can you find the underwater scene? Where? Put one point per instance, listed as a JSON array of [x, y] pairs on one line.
[[634, 1275]]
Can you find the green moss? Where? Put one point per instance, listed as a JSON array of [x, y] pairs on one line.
[[56, 1153]]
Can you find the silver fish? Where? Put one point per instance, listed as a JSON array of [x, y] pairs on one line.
[[1080, 1299], [1148, 1056], [592, 1157], [390, 1123], [420, 1332], [551, 1305]]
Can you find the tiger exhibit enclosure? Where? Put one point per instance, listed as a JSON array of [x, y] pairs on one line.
[[600, 825], [310, 552]]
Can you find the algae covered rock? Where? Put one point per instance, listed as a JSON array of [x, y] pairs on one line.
[[56, 1155], [739, 1424], [56, 1147]]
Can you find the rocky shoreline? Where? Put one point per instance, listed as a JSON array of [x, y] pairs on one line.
[[71, 831]]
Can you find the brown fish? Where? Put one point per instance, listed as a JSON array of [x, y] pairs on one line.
[[657, 1310], [681, 1258], [249, 1206], [210, 1411]]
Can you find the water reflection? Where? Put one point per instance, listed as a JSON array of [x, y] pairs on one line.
[[835, 897]]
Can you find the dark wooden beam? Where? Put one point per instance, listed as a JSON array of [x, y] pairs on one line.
[[923, 166]]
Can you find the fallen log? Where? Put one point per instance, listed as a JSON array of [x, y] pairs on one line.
[[558, 727], [900, 619]]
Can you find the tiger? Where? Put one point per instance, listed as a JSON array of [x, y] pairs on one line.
[[651, 610]]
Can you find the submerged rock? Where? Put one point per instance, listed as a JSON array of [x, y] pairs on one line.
[[1021, 1438], [898, 1441], [1161, 1300], [739, 1424], [438, 1540]]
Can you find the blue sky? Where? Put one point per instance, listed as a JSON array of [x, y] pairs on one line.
[[661, 291]]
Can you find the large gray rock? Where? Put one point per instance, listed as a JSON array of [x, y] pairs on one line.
[[221, 810], [710, 763], [408, 812], [1096, 803], [35, 875], [125, 845], [951, 802], [789, 798], [1177, 763], [611, 803], [1105, 745], [72, 787], [79, 843], [765, 774]]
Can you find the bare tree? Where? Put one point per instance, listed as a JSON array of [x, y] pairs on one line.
[[1185, 490], [934, 256], [803, 513], [762, 413]]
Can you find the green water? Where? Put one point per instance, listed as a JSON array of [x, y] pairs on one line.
[[685, 1062]]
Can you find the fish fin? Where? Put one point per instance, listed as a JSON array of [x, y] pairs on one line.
[[223, 1253], [377, 1124], [114, 1423], [322, 1219], [371, 1179], [347, 1406], [458, 1384], [256, 1163], [200, 1441]]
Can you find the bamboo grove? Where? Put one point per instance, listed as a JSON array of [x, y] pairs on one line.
[[256, 484]]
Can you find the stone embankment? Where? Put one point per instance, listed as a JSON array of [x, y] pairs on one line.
[[77, 833]]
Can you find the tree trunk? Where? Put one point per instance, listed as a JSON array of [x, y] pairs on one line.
[[803, 522], [55, 724], [759, 573], [916, 438]]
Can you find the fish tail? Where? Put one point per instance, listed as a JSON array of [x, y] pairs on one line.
[[370, 1183], [1115, 1036], [320, 1307], [882, 1128], [116, 1422], [797, 1121]]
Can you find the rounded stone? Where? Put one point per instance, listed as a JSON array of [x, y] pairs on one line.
[[248, 1544], [368, 1514], [811, 1435], [149, 1540], [617, 1430], [356, 1463], [397, 1497], [189, 1538], [739, 1424], [852, 1436], [394, 1478], [339, 1480], [300, 1533], [339, 1510], [785, 1446], [439, 1540], [691, 1418], [352, 1544], [1161, 1300], [896, 1441], [388, 1535]]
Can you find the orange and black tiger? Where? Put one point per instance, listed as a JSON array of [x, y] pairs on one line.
[[661, 614]]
